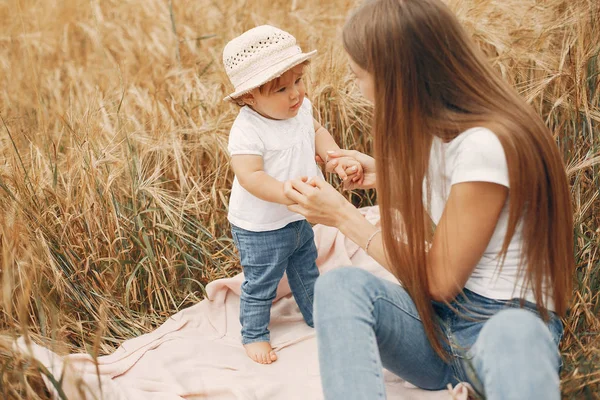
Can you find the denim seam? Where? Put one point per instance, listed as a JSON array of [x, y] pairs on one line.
[[378, 376], [293, 267], [304, 242], [235, 239], [265, 337], [374, 351], [457, 359], [298, 228], [381, 297]]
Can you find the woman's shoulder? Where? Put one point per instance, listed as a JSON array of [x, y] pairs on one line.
[[479, 141], [477, 138], [477, 155]]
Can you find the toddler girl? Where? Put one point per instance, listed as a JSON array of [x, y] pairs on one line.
[[273, 139]]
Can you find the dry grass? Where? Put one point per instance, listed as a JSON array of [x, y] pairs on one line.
[[114, 175]]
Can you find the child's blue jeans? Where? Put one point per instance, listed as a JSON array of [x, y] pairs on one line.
[[265, 256]]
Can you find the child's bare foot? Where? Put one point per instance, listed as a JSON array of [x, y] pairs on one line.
[[261, 352]]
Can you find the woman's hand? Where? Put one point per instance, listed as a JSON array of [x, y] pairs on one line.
[[318, 201], [366, 180]]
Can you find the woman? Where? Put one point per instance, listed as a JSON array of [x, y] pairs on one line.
[[476, 221]]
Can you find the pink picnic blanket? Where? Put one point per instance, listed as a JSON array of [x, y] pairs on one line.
[[197, 353]]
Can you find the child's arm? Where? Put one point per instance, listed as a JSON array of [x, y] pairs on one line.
[[250, 174], [323, 141], [347, 167]]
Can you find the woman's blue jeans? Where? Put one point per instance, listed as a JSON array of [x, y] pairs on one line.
[[364, 324]]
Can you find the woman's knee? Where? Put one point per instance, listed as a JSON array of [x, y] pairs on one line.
[[344, 293], [337, 285], [341, 279], [515, 331], [515, 357]]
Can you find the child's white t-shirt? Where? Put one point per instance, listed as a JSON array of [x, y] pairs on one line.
[[288, 151], [478, 155]]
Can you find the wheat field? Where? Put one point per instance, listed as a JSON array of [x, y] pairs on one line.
[[114, 175]]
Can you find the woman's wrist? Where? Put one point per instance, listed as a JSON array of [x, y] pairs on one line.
[[348, 216], [370, 239], [362, 232]]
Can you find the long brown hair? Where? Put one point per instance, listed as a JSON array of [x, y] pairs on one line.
[[430, 79]]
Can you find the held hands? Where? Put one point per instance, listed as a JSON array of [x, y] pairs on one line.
[[357, 170], [346, 167], [316, 200], [320, 202]]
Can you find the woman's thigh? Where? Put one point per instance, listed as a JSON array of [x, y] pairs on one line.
[[354, 307]]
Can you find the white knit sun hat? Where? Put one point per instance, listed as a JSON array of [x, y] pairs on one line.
[[259, 56]]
